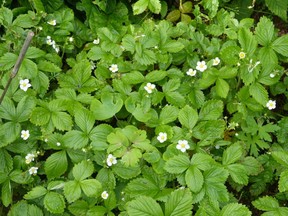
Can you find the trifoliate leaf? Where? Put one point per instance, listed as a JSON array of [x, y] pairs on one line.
[[54, 202], [179, 203], [56, 164]]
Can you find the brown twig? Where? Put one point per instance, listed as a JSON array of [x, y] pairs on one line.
[[18, 63]]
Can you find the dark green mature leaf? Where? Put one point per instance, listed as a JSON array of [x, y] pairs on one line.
[[83, 170], [24, 108], [179, 203], [6, 193], [259, 93], [188, 117], [235, 209], [194, 179], [56, 164], [282, 133], [264, 31], [211, 110], [79, 207], [238, 173], [232, 154], [178, 164], [144, 206], [7, 61], [252, 165], [126, 172], [72, 191], [54, 202], [268, 58], [108, 106], [48, 66], [22, 208], [6, 161], [202, 161], [7, 109], [91, 187]]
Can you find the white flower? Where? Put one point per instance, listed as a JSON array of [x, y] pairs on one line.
[[272, 75], [58, 144], [46, 140], [162, 137], [113, 68], [33, 170], [29, 157], [271, 104], [96, 41], [104, 195], [183, 145], [201, 66], [24, 84], [217, 147], [242, 55], [71, 39], [216, 61], [191, 72], [149, 87], [52, 22], [25, 134], [111, 160]]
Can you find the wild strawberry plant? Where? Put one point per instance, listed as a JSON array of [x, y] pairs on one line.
[[150, 109]]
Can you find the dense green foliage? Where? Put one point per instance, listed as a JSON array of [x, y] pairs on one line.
[[144, 108]]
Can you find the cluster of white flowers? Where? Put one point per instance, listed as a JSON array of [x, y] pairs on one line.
[[25, 134], [149, 87], [52, 43], [111, 160], [201, 66], [182, 145], [162, 137], [24, 84], [113, 68], [271, 104]]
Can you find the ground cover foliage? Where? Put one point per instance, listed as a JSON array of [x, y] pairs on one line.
[[144, 107]]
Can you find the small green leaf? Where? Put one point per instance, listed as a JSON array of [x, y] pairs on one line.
[[235, 209], [222, 88], [178, 164], [172, 46], [238, 173], [156, 75], [62, 120], [266, 203], [126, 172], [142, 186], [91, 187], [188, 117], [280, 45], [140, 6], [179, 203], [83, 170], [232, 154], [144, 206], [252, 165], [168, 114], [154, 6], [268, 58], [48, 66], [211, 6], [194, 179], [79, 207], [259, 93], [202, 161], [7, 61], [54, 203], [211, 110], [247, 41], [72, 191], [6, 193], [131, 157], [264, 31], [56, 164]]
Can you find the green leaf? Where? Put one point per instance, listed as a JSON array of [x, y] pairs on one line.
[[19, 177], [6, 161], [36, 192], [232, 154], [54, 203], [7, 109], [142, 186], [222, 88], [56, 164], [252, 165], [144, 206], [108, 106], [6, 193], [156, 75], [178, 164], [259, 93], [172, 46], [7, 61], [264, 131], [168, 114], [211, 110], [75, 139], [278, 7], [179, 203], [280, 45], [24, 108], [48, 66], [140, 6], [209, 130], [188, 117], [72, 191], [154, 6], [202, 161], [91, 187], [133, 77], [211, 6], [40, 116], [26, 20], [281, 157], [79, 207], [268, 58], [283, 181], [34, 52], [61, 120], [131, 157], [238, 173], [247, 41], [264, 31], [235, 209], [83, 170], [38, 5], [194, 179], [22, 208], [266, 203], [126, 172]]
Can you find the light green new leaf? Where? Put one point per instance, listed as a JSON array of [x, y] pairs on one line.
[[140, 6], [194, 179], [107, 108], [283, 181], [144, 206], [154, 6], [91, 187], [280, 45], [168, 114], [131, 157], [54, 202], [222, 88], [83, 170], [142, 186], [188, 117], [36, 192], [266, 203], [281, 157], [232, 154], [177, 164], [126, 172], [238, 173], [259, 93], [235, 209], [247, 41], [211, 6], [72, 191], [179, 203], [56, 164], [211, 110], [264, 31]]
